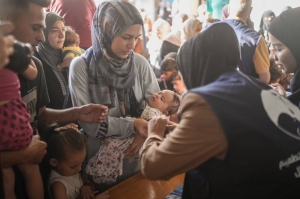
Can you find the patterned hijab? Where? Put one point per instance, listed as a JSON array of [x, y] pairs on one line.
[[49, 55], [109, 74]]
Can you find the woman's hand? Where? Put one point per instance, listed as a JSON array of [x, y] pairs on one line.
[[135, 146], [157, 126], [141, 127]]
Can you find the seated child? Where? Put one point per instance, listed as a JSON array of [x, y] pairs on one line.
[[66, 152], [71, 47], [178, 84], [16, 132], [106, 165]]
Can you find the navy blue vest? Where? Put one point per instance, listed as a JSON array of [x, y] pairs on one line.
[[263, 134], [248, 39]]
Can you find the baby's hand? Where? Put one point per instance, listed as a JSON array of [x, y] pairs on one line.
[[277, 87], [86, 192], [171, 126], [103, 195]]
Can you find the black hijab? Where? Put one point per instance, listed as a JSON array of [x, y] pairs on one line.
[[286, 28], [204, 57], [265, 23]]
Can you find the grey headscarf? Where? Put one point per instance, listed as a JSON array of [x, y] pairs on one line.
[[49, 55], [107, 72]]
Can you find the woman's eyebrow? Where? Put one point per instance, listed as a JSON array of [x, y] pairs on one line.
[[126, 34]]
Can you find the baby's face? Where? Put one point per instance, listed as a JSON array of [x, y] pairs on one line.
[[162, 100]]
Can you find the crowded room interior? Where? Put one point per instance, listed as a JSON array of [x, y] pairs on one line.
[[149, 99]]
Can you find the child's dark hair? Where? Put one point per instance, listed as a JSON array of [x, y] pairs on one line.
[[64, 141], [168, 64], [71, 36], [171, 55], [59, 143], [176, 103], [175, 76]]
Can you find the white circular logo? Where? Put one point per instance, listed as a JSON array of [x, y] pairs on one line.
[[284, 114]]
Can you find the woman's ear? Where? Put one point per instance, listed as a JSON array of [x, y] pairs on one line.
[[53, 162]]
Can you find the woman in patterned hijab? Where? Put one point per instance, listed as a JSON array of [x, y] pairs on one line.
[[111, 19], [110, 73]]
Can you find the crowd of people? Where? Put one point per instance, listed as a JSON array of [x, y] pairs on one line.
[[87, 101]]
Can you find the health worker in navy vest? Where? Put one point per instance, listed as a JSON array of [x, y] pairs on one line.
[[111, 73], [237, 137], [285, 48], [254, 57]]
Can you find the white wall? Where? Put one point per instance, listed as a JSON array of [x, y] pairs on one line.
[[259, 6]]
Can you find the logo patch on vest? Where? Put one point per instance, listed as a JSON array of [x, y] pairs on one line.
[[284, 114]]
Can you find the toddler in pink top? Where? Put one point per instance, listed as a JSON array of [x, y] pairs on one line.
[[16, 132]]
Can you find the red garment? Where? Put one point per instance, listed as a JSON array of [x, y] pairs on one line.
[[16, 132], [77, 14], [15, 128], [9, 85]]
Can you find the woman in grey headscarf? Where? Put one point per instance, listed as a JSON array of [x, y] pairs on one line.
[[110, 73], [50, 54]]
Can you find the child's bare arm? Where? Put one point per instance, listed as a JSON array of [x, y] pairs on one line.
[[31, 71], [58, 190], [66, 63], [87, 189]]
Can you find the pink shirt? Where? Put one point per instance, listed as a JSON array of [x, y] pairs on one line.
[[9, 85], [78, 14]]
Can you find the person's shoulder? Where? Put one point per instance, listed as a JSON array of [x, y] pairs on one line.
[[37, 62], [43, 63], [78, 62], [141, 62], [78, 66], [39, 66], [139, 59]]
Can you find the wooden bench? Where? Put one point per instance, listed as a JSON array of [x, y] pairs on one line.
[[138, 187]]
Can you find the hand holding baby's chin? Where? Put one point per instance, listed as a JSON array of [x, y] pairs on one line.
[[157, 125]]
